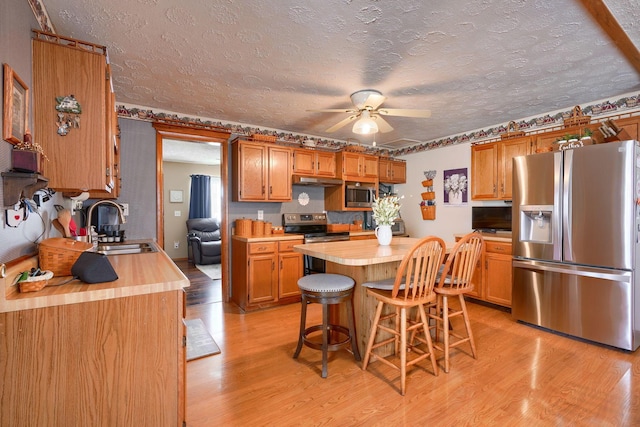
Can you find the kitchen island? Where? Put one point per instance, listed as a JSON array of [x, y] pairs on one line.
[[100, 354], [363, 261]]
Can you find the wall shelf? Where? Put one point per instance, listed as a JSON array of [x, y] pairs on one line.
[[16, 185]]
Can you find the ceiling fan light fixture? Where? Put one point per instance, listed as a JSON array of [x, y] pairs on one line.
[[365, 125]]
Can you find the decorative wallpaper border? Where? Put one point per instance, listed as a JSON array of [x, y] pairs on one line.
[[40, 12], [602, 109], [598, 110]]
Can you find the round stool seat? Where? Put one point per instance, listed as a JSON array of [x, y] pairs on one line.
[[325, 283]]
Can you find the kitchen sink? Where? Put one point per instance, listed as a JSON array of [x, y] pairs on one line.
[[126, 248]]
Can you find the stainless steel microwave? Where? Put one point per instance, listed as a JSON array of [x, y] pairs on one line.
[[359, 196]]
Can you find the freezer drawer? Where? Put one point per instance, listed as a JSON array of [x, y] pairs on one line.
[[590, 303]]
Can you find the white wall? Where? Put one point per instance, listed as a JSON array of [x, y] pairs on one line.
[[450, 219]]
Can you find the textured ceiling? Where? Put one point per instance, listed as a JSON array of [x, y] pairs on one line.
[[474, 63]]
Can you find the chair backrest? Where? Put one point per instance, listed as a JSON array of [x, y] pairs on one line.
[[207, 229], [419, 269], [461, 262]]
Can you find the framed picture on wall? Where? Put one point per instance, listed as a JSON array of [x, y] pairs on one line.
[[16, 107], [175, 196], [455, 186]]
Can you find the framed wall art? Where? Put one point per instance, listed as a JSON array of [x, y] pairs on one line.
[[16, 107], [175, 196]]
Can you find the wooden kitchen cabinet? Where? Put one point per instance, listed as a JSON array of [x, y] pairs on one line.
[[491, 167], [291, 266], [353, 166], [113, 362], [83, 159], [392, 171], [493, 275], [265, 273], [309, 162], [260, 172], [498, 273]]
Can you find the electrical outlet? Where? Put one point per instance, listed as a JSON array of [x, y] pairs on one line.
[[260, 215], [125, 209], [176, 245]]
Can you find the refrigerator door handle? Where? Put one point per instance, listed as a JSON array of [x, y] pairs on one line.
[[567, 234], [622, 276]]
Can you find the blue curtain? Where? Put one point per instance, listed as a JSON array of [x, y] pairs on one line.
[[200, 202]]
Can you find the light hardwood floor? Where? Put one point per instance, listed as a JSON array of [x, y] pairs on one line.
[[523, 377]]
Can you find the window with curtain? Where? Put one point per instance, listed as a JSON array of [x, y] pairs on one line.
[[205, 197]]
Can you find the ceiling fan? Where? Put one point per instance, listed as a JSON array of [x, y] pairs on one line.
[[367, 113]]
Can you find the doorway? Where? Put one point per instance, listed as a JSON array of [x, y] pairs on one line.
[[172, 216]]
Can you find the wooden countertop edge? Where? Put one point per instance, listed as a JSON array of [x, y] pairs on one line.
[[491, 237], [137, 275], [270, 238]]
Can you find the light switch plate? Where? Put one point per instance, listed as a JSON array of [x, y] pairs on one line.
[[177, 213]]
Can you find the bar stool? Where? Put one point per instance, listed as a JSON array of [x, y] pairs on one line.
[[327, 289]]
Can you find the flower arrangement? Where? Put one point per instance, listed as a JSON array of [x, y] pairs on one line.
[[456, 183], [385, 209]]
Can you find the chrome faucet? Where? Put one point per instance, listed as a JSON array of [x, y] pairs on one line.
[[90, 214]]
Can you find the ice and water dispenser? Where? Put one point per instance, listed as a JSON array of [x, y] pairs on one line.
[[536, 223]]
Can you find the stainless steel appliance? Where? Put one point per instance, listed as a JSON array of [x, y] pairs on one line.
[[359, 195], [314, 229], [398, 229], [575, 242]]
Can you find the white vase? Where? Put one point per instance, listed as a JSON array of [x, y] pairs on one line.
[[455, 198], [383, 233]]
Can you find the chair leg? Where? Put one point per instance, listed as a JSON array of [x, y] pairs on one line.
[[467, 324], [425, 326], [403, 350], [325, 338], [445, 331], [372, 335], [352, 331], [303, 320]]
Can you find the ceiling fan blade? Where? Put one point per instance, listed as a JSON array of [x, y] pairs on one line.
[[383, 125], [374, 101], [342, 123], [404, 112], [334, 110]]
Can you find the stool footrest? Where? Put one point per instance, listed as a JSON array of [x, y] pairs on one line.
[[332, 346]]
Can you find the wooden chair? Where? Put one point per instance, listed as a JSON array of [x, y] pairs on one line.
[[412, 288], [455, 280]]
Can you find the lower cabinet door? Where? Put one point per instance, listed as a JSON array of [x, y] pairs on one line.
[[263, 278], [498, 279], [290, 272]]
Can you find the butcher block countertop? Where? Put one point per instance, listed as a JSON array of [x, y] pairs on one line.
[[358, 252], [138, 274]]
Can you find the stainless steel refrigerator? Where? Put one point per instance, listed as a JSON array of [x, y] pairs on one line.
[[576, 229]]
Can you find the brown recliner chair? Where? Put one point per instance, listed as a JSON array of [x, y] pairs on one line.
[[204, 240]]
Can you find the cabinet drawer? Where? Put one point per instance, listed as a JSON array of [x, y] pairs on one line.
[[498, 247], [262, 247], [287, 246]]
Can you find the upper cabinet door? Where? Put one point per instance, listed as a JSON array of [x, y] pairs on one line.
[[249, 172], [75, 143], [508, 150], [484, 171], [326, 164], [279, 174]]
